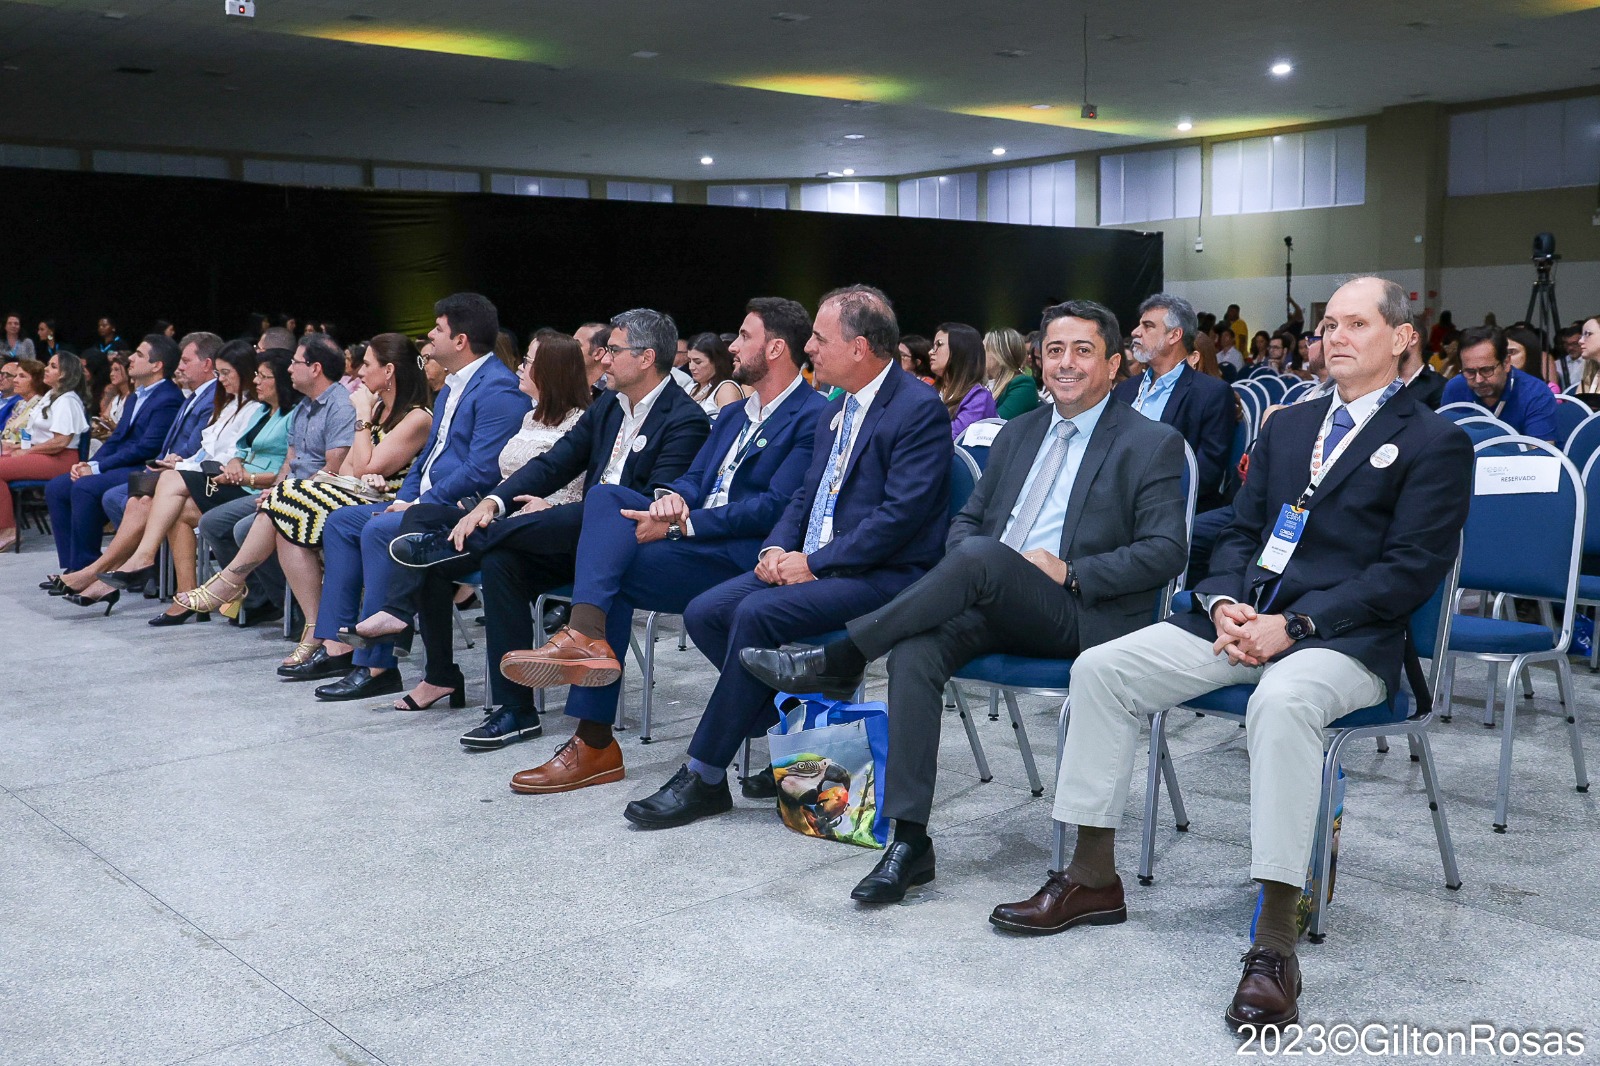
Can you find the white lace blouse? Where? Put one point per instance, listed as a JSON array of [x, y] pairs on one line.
[[533, 440]]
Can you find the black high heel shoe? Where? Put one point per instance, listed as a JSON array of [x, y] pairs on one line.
[[129, 580], [55, 586], [457, 696], [165, 619], [109, 600]]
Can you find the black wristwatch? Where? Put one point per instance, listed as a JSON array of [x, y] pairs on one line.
[[674, 531], [1299, 626], [1072, 579]]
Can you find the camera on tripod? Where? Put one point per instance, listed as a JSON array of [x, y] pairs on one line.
[[1544, 251]]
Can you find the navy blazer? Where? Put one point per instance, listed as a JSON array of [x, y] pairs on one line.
[[1201, 408], [672, 434], [1124, 530], [136, 441], [489, 413], [768, 478], [893, 508], [193, 416], [1378, 539]]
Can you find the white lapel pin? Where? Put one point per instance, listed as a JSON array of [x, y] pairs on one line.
[[1384, 456], [638, 444]]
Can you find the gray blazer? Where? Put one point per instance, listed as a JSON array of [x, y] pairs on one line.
[[1124, 531]]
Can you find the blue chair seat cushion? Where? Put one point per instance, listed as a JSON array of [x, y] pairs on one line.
[[1589, 587], [1233, 699], [1469, 633], [1017, 671]]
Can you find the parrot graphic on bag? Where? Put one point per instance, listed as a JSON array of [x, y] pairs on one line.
[[816, 788]]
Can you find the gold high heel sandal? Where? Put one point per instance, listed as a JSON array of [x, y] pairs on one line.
[[205, 600], [303, 650]]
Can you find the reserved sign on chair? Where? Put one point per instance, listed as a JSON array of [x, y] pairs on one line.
[[1514, 474]]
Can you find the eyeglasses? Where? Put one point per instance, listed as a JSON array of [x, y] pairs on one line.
[[1480, 371], [293, 361], [615, 350]]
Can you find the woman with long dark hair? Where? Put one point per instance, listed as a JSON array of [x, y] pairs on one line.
[[957, 360], [711, 367], [47, 444]]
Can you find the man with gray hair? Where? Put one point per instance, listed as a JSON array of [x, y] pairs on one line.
[[1165, 388], [1350, 519]]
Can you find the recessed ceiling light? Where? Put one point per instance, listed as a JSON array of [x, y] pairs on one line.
[[642, 54], [1280, 68], [10, 66], [789, 16], [997, 151], [706, 161], [848, 172], [1185, 126], [1041, 107], [855, 136], [115, 15]]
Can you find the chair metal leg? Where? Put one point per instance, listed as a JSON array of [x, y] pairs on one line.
[[621, 722], [1383, 745], [1152, 797], [1492, 690], [1441, 827], [1180, 816], [166, 580], [1024, 745], [994, 705], [1447, 684], [1411, 742], [1059, 857], [647, 703], [1574, 738], [539, 638], [1594, 640], [1508, 723], [488, 666], [1322, 854], [683, 638], [461, 625], [972, 735], [744, 763]]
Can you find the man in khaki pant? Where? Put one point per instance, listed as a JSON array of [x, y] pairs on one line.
[[1348, 521]]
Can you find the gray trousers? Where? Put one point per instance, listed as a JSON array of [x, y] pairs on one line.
[[1119, 684], [982, 597], [224, 528]]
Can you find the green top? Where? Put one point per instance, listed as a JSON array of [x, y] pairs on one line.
[[1020, 396], [270, 445]]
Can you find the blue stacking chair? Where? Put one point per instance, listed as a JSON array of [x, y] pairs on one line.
[[1010, 675], [1589, 584], [1251, 401], [978, 452], [1583, 441], [1483, 428], [1297, 390], [1430, 630], [1274, 386], [35, 509], [1570, 414], [1455, 412], [1548, 529]]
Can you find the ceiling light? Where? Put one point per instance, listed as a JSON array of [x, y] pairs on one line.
[[1011, 53], [855, 136], [789, 16], [644, 55], [115, 15], [706, 161], [997, 151], [848, 172], [1185, 126], [1041, 107], [1281, 68]]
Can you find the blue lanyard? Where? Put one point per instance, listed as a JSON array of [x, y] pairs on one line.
[[746, 441]]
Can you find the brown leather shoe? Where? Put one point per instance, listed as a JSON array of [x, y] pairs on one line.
[[1060, 905], [568, 658], [1269, 991], [574, 765]]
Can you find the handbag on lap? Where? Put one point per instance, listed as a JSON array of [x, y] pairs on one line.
[[828, 760]]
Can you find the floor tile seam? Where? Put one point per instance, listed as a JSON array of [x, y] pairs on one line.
[[196, 926]]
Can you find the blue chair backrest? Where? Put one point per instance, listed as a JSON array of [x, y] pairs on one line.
[[1457, 411], [1570, 414], [1526, 544], [1591, 494], [1274, 385], [1583, 441], [979, 452], [1250, 400], [964, 475], [84, 440], [1297, 391], [1482, 429]]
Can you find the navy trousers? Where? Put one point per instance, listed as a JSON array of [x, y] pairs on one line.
[[618, 575], [746, 612], [77, 517], [356, 573]]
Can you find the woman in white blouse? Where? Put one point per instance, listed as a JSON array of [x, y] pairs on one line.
[[711, 367], [49, 440], [183, 491]]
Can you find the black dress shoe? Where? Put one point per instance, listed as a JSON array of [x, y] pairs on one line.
[[421, 550], [902, 866], [684, 799], [164, 619], [129, 580], [321, 665], [797, 670], [400, 640], [500, 727], [359, 684], [760, 786]]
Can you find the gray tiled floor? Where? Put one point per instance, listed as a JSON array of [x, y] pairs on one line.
[[203, 865]]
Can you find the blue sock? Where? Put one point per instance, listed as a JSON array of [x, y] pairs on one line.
[[711, 775]]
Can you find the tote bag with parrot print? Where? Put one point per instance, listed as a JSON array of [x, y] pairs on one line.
[[828, 760]]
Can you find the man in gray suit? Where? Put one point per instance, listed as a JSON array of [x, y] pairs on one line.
[[1076, 526]]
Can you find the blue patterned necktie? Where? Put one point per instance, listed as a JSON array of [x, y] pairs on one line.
[[830, 477]]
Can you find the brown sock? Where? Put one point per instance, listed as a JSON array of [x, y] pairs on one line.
[[589, 620], [1094, 860], [595, 734], [1279, 925]]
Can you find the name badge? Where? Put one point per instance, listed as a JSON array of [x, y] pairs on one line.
[[761, 443], [1384, 456], [638, 444], [1285, 538]]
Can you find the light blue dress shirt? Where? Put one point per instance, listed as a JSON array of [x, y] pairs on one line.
[[138, 398], [1152, 398], [1046, 532]]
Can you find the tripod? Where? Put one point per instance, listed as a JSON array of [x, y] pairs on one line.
[[1542, 302]]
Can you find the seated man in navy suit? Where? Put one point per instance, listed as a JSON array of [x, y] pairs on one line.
[[477, 411], [1348, 522], [868, 521], [1165, 388], [640, 436], [76, 515], [659, 554]]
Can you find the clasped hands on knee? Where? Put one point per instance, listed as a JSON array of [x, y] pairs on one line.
[[1248, 638], [778, 567]]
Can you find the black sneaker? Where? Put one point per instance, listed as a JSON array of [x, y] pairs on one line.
[[500, 727], [684, 799], [421, 550], [760, 786]]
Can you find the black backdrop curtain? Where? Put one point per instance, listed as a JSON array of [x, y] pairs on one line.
[[203, 254]]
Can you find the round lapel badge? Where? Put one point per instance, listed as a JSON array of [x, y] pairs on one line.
[[638, 444], [1384, 456], [761, 442]]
